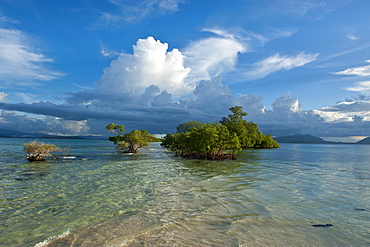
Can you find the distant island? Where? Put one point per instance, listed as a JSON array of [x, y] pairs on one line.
[[364, 141], [4, 133], [299, 138]]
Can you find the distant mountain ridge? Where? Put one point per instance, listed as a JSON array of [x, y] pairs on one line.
[[364, 141], [13, 133], [298, 138], [16, 134]]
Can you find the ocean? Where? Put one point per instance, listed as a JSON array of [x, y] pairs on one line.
[[296, 195]]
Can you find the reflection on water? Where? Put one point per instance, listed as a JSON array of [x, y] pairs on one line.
[[32, 171], [265, 198], [208, 169]]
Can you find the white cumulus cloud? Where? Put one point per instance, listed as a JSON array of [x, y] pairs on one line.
[[138, 90], [333, 116], [210, 102], [150, 64], [285, 104]]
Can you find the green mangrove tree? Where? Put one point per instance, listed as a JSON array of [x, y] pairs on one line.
[[129, 142]]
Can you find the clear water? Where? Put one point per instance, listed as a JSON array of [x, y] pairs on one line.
[[264, 198]]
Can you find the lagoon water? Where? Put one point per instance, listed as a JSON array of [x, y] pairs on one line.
[[264, 198]]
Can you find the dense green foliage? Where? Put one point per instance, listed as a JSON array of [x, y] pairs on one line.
[[185, 127], [129, 142], [248, 133], [208, 141], [38, 151], [219, 140]]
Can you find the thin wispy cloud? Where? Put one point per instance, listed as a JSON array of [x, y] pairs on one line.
[[275, 33], [108, 52], [249, 38], [358, 71], [20, 61], [345, 52], [213, 56], [133, 11], [363, 87], [27, 97], [278, 62], [83, 87], [5, 19], [300, 9], [352, 37], [3, 96]]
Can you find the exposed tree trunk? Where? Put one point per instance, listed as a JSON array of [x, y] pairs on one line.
[[36, 157], [132, 148]]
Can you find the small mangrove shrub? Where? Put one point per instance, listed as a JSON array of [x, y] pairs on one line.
[[38, 151], [129, 142]]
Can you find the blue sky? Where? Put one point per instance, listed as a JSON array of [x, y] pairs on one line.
[[72, 67]]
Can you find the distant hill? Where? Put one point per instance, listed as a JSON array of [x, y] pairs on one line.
[[12, 133], [298, 138], [16, 134], [364, 141], [61, 137]]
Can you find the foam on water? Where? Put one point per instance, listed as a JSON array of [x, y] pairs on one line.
[[54, 238]]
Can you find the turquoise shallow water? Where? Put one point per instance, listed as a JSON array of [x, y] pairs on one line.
[[264, 198]]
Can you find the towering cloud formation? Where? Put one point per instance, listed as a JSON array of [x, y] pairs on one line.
[[150, 64], [213, 97], [156, 88], [286, 104]]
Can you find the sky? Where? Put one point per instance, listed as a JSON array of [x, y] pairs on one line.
[[295, 66]]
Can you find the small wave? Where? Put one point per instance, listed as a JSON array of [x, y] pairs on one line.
[[68, 157], [47, 241]]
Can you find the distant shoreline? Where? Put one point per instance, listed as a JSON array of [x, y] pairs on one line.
[[309, 139], [56, 137], [295, 139]]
